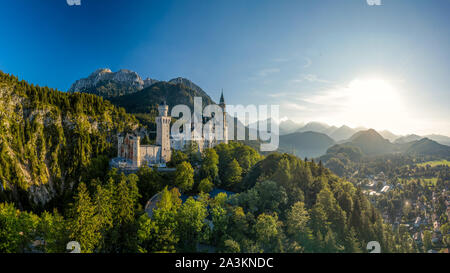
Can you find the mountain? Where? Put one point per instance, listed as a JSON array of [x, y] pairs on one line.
[[427, 146], [444, 140], [288, 127], [105, 83], [389, 135], [371, 143], [125, 88], [341, 133], [315, 127], [190, 85], [49, 138], [173, 93], [406, 139], [306, 144]]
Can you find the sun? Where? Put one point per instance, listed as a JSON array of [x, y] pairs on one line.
[[373, 95], [373, 102]]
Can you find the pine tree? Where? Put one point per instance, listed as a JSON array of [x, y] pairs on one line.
[[84, 226]]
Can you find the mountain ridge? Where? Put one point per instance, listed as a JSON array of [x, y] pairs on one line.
[[306, 144]]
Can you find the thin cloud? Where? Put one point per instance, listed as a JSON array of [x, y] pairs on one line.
[[313, 78], [268, 71]]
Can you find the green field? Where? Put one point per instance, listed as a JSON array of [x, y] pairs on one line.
[[434, 163]]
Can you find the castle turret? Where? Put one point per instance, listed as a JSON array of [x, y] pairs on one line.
[[163, 131], [225, 124]]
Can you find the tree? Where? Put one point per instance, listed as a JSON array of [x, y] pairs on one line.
[[238, 226], [233, 174], [297, 228], [205, 185], [190, 223], [264, 196], [177, 157], [103, 203], [297, 219], [123, 234], [220, 222], [267, 232], [334, 213], [351, 244], [209, 168], [52, 229], [149, 183], [336, 165], [231, 246], [427, 244], [184, 176], [17, 229], [330, 244], [158, 234], [84, 226]]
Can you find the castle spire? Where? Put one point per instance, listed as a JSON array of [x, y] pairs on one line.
[[222, 100]]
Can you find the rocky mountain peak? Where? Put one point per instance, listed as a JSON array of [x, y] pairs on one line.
[[121, 82]]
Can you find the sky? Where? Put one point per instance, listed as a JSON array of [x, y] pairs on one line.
[[339, 62]]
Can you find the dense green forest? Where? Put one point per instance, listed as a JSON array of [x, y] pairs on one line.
[[49, 138], [56, 147]]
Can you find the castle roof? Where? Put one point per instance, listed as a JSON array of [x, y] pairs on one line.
[[222, 100]]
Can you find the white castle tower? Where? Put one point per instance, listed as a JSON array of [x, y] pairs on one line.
[[163, 131], [225, 124]]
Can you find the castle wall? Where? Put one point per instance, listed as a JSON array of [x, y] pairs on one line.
[[128, 148], [150, 154]]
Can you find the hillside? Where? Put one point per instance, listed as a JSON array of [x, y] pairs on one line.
[[49, 137], [147, 99], [333, 204], [307, 144], [427, 146], [371, 143], [444, 140]]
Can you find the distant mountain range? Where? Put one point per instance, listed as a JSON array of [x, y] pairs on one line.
[[370, 143], [343, 133]]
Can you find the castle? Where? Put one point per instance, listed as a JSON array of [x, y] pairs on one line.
[[131, 154]]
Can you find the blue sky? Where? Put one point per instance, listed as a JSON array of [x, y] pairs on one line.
[[319, 60]]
